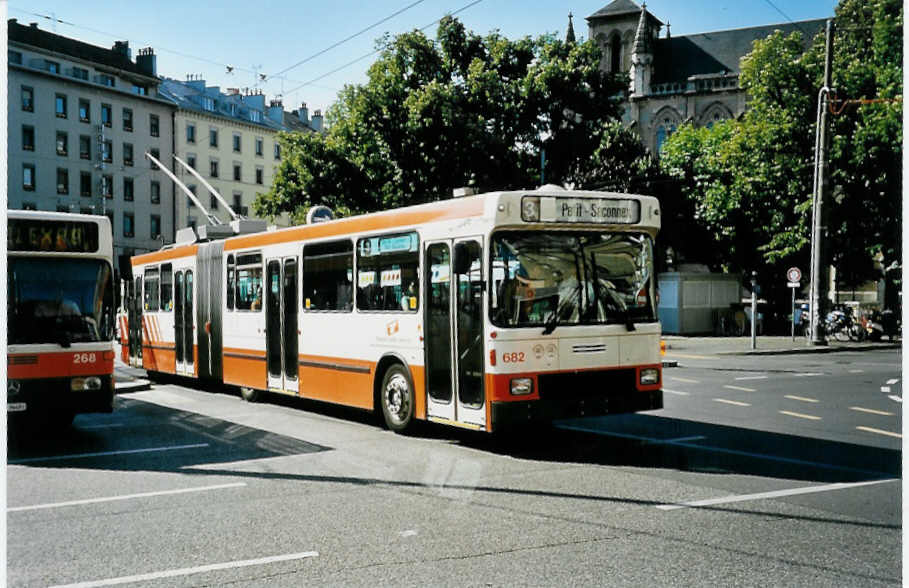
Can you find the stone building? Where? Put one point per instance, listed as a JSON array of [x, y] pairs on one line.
[[687, 78], [80, 119], [230, 139]]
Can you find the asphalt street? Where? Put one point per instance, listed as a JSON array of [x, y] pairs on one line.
[[777, 470]]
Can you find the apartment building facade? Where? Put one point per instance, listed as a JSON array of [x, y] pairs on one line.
[[231, 139], [80, 120]]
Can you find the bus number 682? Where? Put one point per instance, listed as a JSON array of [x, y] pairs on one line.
[[517, 357]]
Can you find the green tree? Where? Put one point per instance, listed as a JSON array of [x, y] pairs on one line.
[[463, 110]]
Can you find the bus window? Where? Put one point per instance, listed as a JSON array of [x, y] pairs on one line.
[[167, 287], [387, 273], [248, 295], [151, 289], [327, 273]]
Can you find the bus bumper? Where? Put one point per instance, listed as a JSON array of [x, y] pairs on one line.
[[31, 396], [511, 413]]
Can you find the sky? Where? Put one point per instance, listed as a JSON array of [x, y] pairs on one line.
[[308, 51]]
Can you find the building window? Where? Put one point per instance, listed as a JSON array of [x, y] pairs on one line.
[[212, 202], [259, 146], [238, 203], [190, 133], [107, 116], [128, 119], [85, 147], [60, 105], [128, 192], [28, 138], [208, 103], [62, 144], [190, 203], [107, 151], [52, 66], [213, 137], [85, 184], [156, 153], [128, 154], [154, 125], [237, 172], [80, 73], [14, 57], [155, 193], [28, 176], [236, 143], [277, 151], [128, 222], [259, 174], [28, 99], [62, 180], [106, 80], [213, 168], [155, 225], [85, 110], [140, 90], [107, 186]]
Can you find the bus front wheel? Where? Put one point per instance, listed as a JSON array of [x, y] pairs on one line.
[[397, 398]]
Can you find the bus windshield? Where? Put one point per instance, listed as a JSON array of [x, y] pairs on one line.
[[54, 300], [550, 278]]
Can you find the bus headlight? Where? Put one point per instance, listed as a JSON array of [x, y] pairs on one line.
[[521, 386], [80, 384], [530, 208], [650, 376]]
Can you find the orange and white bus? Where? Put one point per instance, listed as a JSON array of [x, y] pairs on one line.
[[478, 312], [60, 321]]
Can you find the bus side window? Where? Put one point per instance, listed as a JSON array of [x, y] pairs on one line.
[[327, 273], [151, 289], [388, 273], [248, 294], [167, 287]]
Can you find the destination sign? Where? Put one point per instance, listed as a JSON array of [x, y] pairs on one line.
[[607, 211], [51, 235]]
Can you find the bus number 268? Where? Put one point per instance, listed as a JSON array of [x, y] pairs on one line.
[[513, 357], [84, 358]]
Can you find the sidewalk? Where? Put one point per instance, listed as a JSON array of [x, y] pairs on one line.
[[680, 346], [128, 378]]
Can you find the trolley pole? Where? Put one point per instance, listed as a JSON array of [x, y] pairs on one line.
[[820, 187]]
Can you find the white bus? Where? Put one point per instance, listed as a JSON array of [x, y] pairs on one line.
[[477, 312], [60, 321]]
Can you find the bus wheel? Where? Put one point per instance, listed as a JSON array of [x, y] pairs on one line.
[[397, 398], [249, 394]]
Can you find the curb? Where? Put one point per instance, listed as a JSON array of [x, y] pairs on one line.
[[808, 350], [133, 386]]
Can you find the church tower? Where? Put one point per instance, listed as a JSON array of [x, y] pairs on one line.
[[642, 56]]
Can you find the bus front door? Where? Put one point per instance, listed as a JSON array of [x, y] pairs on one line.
[[184, 344], [281, 304], [454, 332]]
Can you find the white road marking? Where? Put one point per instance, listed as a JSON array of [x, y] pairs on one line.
[[409, 533], [807, 374], [733, 402], [893, 381], [856, 371], [739, 388], [800, 415], [871, 411], [105, 453], [885, 389], [188, 571], [123, 497], [676, 392], [895, 398], [773, 494], [880, 432], [752, 378], [686, 380], [801, 398]]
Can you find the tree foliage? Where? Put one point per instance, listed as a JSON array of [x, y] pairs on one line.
[[463, 110], [750, 181]]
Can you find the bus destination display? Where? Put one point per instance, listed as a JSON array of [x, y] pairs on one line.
[[52, 235], [590, 210]]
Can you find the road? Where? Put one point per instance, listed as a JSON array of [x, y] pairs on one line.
[[780, 470]]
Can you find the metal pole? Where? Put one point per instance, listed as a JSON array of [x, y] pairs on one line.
[[818, 286], [754, 310], [793, 313]]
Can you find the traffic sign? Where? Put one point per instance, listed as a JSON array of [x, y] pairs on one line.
[[793, 274]]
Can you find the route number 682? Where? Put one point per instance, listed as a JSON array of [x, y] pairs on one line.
[[85, 358]]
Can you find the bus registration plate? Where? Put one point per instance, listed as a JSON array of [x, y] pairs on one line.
[[609, 211]]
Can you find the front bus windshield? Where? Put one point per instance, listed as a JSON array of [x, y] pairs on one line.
[[54, 300], [571, 278]]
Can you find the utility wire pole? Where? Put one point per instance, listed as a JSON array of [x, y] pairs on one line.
[[822, 144]]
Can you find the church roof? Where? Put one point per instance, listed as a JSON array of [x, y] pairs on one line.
[[678, 58], [618, 8]]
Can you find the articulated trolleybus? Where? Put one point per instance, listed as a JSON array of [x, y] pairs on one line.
[[60, 303], [478, 312]]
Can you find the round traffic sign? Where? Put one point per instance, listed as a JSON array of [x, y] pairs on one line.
[[793, 274]]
